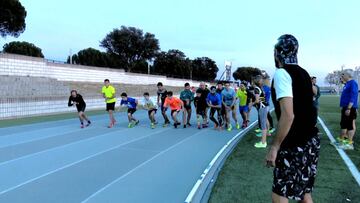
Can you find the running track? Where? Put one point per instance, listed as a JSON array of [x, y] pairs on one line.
[[59, 162]]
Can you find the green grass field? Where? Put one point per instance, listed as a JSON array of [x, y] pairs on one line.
[[244, 177], [330, 113]]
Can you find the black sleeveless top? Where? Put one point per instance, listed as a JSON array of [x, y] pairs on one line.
[[304, 125]]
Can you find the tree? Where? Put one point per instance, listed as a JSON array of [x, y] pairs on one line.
[[23, 48], [131, 46], [204, 68], [333, 78], [246, 73], [12, 18], [140, 67], [94, 57], [173, 64]]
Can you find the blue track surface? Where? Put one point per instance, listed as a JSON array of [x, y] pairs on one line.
[[59, 162]]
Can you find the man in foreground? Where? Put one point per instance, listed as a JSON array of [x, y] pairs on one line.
[[295, 149]]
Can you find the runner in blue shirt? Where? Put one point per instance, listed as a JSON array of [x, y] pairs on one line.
[[349, 106], [214, 102], [228, 99], [267, 91], [131, 104]]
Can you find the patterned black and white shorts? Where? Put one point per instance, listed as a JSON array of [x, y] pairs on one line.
[[296, 169]]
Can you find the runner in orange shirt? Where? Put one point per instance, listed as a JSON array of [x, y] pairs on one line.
[[176, 105]]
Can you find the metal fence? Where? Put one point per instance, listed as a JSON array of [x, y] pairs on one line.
[[32, 106]]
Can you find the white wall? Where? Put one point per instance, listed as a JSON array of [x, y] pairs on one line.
[[30, 66]]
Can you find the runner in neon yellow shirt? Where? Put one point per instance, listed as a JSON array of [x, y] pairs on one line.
[[241, 94], [109, 93]]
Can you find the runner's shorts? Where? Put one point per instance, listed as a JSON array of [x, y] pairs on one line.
[[175, 110], [295, 170], [347, 121], [81, 108], [244, 109], [131, 111], [152, 110], [110, 106], [201, 111]]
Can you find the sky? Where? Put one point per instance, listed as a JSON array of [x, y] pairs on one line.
[[243, 32]]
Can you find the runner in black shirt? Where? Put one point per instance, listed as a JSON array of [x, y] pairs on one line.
[[77, 100], [200, 105], [219, 89], [162, 93]]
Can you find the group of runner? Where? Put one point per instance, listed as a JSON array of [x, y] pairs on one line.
[[217, 103], [294, 151]]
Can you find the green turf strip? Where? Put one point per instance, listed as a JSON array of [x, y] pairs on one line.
[[244, 177]]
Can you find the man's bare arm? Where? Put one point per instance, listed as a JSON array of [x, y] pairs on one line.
[[285, 121]]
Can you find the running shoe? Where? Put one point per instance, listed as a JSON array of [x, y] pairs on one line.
[[137, 122], [346, 146], [185, 126], [188, 124], [260, 145], [272, 130], [341, 140], [258, 130], [259, 134], [88, 124], [199, 126], [205, 125], [237, 126], [82, 126], [111, 125], [175, 125], [131, 125], [229, 128], [152, 126]]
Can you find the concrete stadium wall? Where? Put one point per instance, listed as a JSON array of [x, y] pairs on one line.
[[23, 77], [18, 65]]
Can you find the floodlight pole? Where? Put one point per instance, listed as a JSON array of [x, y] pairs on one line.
[[149, 63], [70, 56], [228, 70]]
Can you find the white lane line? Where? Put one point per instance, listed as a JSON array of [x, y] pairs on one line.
[[81, 160], [139, 166], [199, 182], [92, 126], [43, 125], [63, 146], [121, 130], [354, 171], [14, 143]]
